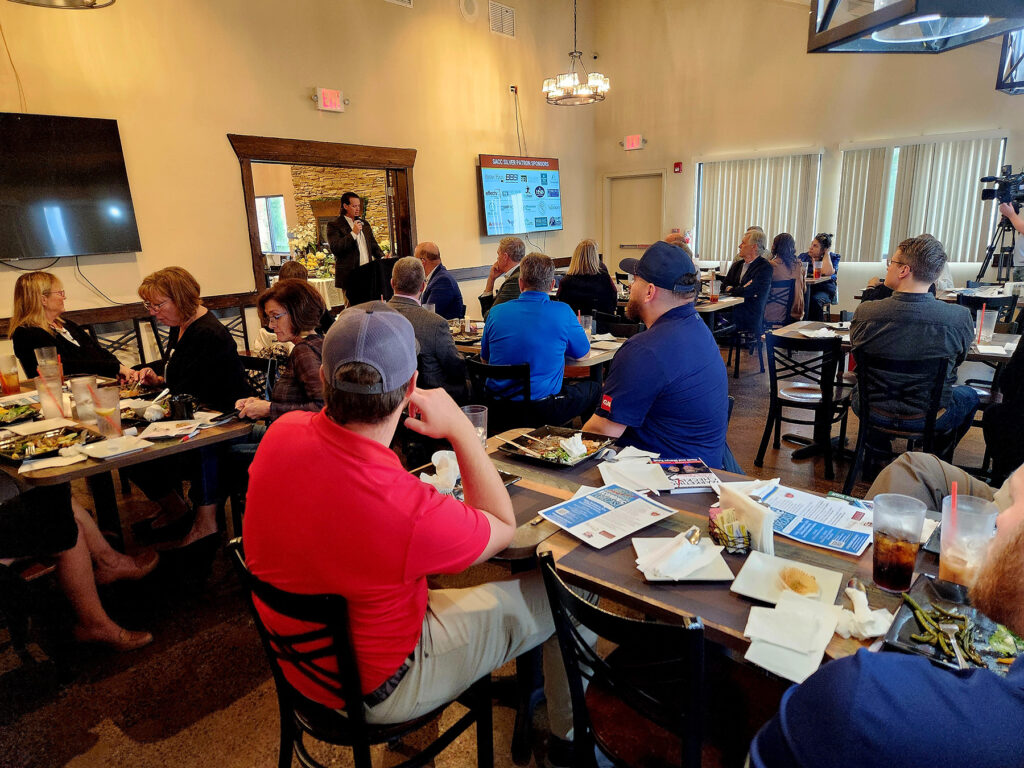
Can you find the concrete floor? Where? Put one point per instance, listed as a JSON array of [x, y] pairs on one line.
[[201, 694]]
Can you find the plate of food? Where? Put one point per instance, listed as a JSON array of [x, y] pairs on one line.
[[931, 602], [42, 444], [549, 445], [12, 414], [765, 577]]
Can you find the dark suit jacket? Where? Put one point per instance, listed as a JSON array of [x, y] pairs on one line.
[[443, 292], [509, 291], [346, 249], [439, 363], [755, 287]]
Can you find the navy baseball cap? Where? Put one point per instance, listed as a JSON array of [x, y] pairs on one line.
[[664, 265], [376, 335]]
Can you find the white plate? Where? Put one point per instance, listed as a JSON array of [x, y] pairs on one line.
[[759, 578], [115, 446], [35, 427], [716, 570]]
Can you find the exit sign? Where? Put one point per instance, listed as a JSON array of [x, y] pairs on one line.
[[329, 100], [634, 141]]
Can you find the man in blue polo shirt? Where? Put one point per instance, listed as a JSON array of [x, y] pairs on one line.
[[667, 390], [533, 329]]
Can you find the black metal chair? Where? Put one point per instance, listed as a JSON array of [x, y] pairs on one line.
[[326, 657], [781, 295], [20, 598], [502, 412], [882, 381], [1005, 305], [261, 373], [233, 319], [605, 323], [645, 701], [802, 375], [122, 338]]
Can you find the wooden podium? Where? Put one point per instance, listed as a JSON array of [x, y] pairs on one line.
[[369, 282]]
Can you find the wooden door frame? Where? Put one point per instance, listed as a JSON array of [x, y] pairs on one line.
[[606, 201], [251, 149]]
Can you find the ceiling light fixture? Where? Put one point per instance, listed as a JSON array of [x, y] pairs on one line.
[[71, 5], [577, 86], [907, 26]]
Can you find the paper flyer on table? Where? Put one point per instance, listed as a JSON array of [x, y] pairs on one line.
[[820, 521], [606, 515]]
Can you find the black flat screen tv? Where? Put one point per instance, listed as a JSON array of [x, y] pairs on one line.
[[63, 188], [520, 194]]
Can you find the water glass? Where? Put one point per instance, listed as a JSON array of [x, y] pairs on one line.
[[82, 388], [477, 415], [985, 326], [964, 543], [46, 355], [897, 528], [9, 374], [429, 307], [51, 397], [587, 321], [107, 404]]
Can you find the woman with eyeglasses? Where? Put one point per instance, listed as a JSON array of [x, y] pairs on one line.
[[293, 309], [36, 323], [202, 361]]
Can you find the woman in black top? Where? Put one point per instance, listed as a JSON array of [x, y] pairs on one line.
[[36, 323], [587, 287], [202, 361]]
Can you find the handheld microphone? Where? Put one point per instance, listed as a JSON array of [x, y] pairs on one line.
[[988, 179]]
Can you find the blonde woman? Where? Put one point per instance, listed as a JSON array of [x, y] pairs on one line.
[[587, 287], [36, 322]]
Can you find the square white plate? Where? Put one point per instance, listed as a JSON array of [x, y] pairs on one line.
[[115, 446], [35, 427], [759, 578], [716, 570]]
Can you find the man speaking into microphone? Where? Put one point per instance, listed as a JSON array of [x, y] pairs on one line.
[[351, 239]]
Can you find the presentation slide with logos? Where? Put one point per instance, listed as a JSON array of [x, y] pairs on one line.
[[520, 194]]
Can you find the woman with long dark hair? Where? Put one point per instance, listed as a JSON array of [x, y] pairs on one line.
[[786, 266], [826, 292]]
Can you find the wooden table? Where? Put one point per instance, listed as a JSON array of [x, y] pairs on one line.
[[612, 573], [97, 472]]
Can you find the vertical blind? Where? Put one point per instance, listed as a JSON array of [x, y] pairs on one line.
[[935, 191], [779, 194]]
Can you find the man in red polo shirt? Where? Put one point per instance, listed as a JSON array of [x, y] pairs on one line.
[[331, 510]]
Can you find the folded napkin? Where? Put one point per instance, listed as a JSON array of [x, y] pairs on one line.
[[35, 427], [862, 622], [756, 518], [991, 349], [928, 529], [603, 337], [677, 558], [637, 475], [446, 472], [786, 661], [786, 627], [632, 452], [51, 461]]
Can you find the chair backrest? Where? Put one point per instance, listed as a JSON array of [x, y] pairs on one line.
[[1003, 304], [650, 658], [780, 295], [233, 319], [1007, 327], [122, 338], [622, 277], [812, 360], [845, 316], [978, 284], [515, 380], [616, 324], [915, 384], [325, 655], [261, 373]]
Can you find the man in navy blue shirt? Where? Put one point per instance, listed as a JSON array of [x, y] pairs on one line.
[[886, 709], [442, 290], [533, 329], [667, 390]]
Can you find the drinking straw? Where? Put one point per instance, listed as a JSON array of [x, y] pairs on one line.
[[981, 324], [952, 505], [49, 391]]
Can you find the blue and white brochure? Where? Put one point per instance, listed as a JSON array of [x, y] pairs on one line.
[[606, 515]]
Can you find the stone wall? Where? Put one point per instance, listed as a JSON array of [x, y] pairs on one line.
[[319, 183]]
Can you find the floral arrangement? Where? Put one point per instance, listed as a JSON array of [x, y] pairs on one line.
[[307, 249]]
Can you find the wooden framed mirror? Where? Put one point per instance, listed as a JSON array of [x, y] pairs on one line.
[[395, 209]]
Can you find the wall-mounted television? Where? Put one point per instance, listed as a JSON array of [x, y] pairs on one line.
[[63, 188], [520, 194]]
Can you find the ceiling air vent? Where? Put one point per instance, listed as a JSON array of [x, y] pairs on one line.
[[502, 19]]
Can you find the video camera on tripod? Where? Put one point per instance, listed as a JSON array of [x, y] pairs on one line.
[[1009, 189], [1009, 186]]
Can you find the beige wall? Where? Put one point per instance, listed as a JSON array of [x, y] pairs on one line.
[[700, 79], [180, 74]]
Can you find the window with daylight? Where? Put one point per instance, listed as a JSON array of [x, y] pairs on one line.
[[272, 224], [888, 194], [778, 194]]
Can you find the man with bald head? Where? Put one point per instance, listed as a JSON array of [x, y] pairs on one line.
[[442, 289]]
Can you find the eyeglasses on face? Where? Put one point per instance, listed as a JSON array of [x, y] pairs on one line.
[[275, 318], [62, 293], [894, 263], [154, 307]]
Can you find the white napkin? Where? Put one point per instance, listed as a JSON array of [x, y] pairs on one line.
[[786, 662], [793, 629], [635, 475], [676, 559], [50, 461], [928, 529], [758, 519], [819, 333], [35, 427], [573, 446], [446, 471], [632, 452], [603, 337], [862, 622]]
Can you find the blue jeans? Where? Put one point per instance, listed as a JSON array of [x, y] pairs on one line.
[[951, 425]]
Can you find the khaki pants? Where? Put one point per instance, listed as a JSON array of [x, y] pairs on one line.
[[927, 478], [468, 633]]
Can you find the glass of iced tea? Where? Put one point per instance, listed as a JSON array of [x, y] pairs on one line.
[[714, 286], [898, 521], [9, 374], [965, 537]]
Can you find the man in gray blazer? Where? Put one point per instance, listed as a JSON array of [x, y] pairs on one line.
[[505, 268], [439, 363]]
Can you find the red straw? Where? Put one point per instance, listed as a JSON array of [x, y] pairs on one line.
[[981, 324], [952, 504]]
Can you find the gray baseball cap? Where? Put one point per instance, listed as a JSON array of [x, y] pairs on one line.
[[376, 335]]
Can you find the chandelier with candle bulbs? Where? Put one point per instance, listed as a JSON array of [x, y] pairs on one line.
[[576, 86]]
